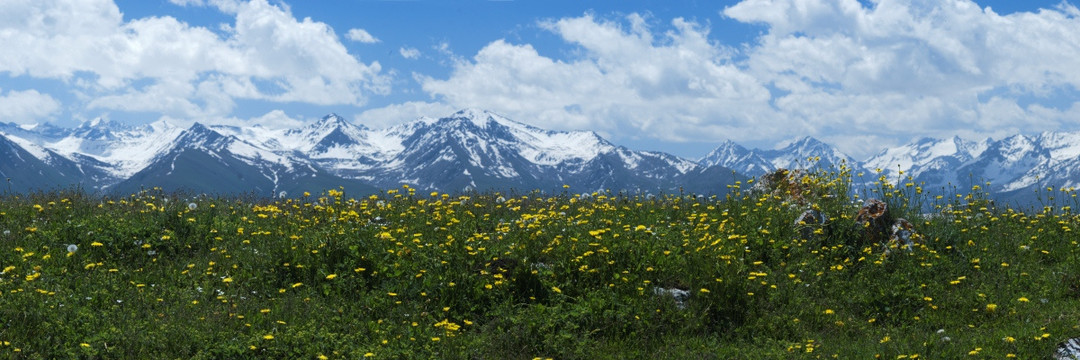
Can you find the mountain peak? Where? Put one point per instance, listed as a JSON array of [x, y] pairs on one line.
[[27, 127], [730, 154], [478, 117], [333, 120], [100, 129], [332, 117], [101, 123], [726, 149], [472, 113], [199, 128], [805, 142]]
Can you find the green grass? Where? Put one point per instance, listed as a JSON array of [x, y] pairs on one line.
[[494, 276]]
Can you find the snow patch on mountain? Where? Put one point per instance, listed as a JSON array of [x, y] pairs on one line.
[[128, 149], [34, 149]]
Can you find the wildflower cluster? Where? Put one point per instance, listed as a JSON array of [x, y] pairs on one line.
[[417, 274]]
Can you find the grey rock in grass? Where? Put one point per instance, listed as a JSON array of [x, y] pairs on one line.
[[1068, 350], [680, 296]]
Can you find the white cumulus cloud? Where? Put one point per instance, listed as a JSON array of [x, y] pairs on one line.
[[28, 106], [862, 75], [161, 64], [409, 52], [361, 35], [628, 80], [896, 69]]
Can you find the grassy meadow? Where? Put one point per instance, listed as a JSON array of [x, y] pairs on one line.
[[408, 274]]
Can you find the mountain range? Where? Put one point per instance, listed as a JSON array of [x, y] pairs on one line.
[[1010, 169], [480, 150], [468, 150]]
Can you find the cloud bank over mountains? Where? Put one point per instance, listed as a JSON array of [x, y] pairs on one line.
[[840, 71], [861, 75]]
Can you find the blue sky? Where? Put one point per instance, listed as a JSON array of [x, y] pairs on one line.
[[674, 76]]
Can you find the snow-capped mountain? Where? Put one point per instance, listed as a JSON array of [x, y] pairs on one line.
[[112, 150], [738, 158], [801, 153], [481, 150], [926, 154], [202, 159], [1014, 166], [470, 149], [25, 166], [475, 149], [807, 152], [1019, 164], [933, 163]]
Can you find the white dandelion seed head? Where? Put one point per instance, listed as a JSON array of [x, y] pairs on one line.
[[73, 248], [192, 206], [7, 232], [282, 195]]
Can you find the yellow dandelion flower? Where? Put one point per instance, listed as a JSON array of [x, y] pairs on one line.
[[268, 337], [331, 276]]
